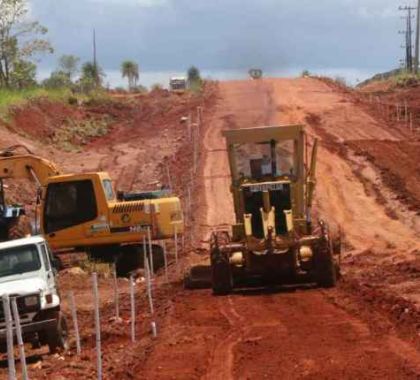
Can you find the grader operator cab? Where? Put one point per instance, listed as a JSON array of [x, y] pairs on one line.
[[81, 211], [274, 240]]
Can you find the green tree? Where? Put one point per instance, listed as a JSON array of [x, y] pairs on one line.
[[130, 70], [194, 77], [19, 41], [58, 79], [92, 76], [69, 65], [156, 87], [23, 74]]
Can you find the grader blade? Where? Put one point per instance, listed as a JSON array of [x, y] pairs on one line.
[[198, 277]]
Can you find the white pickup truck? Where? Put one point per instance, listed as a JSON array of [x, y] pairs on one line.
[[28, 272]]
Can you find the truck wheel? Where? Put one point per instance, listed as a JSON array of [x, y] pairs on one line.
[[57, 339], [326, 272], [221, 274]]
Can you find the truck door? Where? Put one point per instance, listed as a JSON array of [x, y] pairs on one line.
[[48, 268]]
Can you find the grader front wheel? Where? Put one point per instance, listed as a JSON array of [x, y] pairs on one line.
[[326, 270], [221, 274]]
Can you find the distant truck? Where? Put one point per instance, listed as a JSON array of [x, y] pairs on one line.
[[178, 84], [28, 273], [255, 73]]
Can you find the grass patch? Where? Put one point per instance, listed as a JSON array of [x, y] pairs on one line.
[[196, 86], [76, 133], [10, 98], [102, 269], [405, 78], [17, 97]]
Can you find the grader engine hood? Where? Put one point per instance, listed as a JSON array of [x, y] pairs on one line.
[[266, 206]]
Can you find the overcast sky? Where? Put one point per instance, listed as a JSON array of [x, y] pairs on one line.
[[163, 35]]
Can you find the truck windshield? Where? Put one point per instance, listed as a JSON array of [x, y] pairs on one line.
[[19, 260]]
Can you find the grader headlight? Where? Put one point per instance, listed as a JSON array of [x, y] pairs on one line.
[[305, 253]]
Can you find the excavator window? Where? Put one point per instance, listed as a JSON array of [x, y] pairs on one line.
[[109, 191], [69, 204]]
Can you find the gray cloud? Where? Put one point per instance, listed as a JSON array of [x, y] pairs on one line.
[[228, 34]]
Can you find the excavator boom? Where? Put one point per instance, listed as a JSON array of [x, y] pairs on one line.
[[30, 167], [27, 165]]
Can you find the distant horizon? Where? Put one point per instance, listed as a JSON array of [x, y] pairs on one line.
[[148, 78]]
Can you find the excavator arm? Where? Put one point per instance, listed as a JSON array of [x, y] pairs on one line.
[[28, 165]]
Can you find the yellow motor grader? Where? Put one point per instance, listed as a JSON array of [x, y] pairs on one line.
[[274, 239]]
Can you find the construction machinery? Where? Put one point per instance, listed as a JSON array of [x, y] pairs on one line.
[[178, 84], [10, 215], [274, 239], [255, 73], [81, 211]]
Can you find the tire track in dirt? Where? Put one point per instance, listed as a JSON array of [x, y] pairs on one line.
[[222, 363], [292, 333], [341, 197]]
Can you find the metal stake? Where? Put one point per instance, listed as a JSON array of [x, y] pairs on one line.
[[133, 310], [149, 288], [116, 296], [9, 336], [16, 317], [165, 259], [145, 258], [149, 237], [97, 326], [75, 322]]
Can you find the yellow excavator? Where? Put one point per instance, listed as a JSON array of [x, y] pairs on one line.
[[83, 212]]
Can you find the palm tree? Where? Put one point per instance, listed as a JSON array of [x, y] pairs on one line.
[[130, 70], [93, 73]]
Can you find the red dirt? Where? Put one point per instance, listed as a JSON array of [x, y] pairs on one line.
[[41, 118], [354, 331], [366, 328], [146, 132]]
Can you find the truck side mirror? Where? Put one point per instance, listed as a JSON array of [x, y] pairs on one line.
[[57, 264]]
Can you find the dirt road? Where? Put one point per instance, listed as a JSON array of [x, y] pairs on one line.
[[297, 333]]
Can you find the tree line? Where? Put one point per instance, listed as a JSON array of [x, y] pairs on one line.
[[22, 41]]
